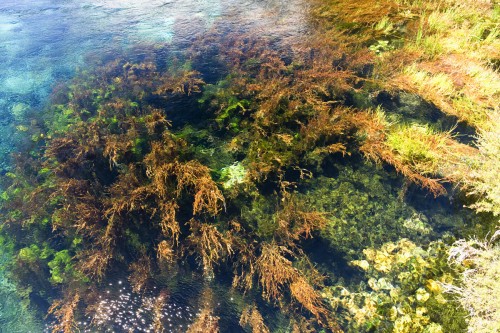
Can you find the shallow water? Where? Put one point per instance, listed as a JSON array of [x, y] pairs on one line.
[[44, 42]]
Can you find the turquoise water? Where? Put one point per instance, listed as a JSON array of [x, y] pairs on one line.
[[45, 42]]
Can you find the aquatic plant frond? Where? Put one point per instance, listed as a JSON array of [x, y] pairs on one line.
[[209, 244], [251, 317], [64, 311], [275, 270], [140, 273]]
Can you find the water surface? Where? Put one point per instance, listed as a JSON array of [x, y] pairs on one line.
[[43, 42]]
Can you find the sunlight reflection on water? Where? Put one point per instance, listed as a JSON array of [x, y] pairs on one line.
[[120, 309]]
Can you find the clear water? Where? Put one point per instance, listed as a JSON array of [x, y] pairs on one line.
[[15, 316], [43, 42]]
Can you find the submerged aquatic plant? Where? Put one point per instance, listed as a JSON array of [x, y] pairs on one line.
[[251, 317], [123, 173], [120, 188], [403, 293], [482, 182], [363, 209], [233, 175]]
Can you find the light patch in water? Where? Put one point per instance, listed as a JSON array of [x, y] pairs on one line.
[[122, 310], [24, 83]]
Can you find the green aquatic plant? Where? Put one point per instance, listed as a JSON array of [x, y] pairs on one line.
[[61, 267], [420, 146], [19, 111], [363, 209], [381, 46], [424, 156], [404, 292], [482, 182], [17, 312], [30, 254], [232, 175]]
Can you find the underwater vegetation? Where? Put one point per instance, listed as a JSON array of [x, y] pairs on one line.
[[365, 208], [16, 315], [404, 292], [230, 159], [121, 309]]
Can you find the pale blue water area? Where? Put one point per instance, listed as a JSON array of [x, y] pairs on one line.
[[43, 42]]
